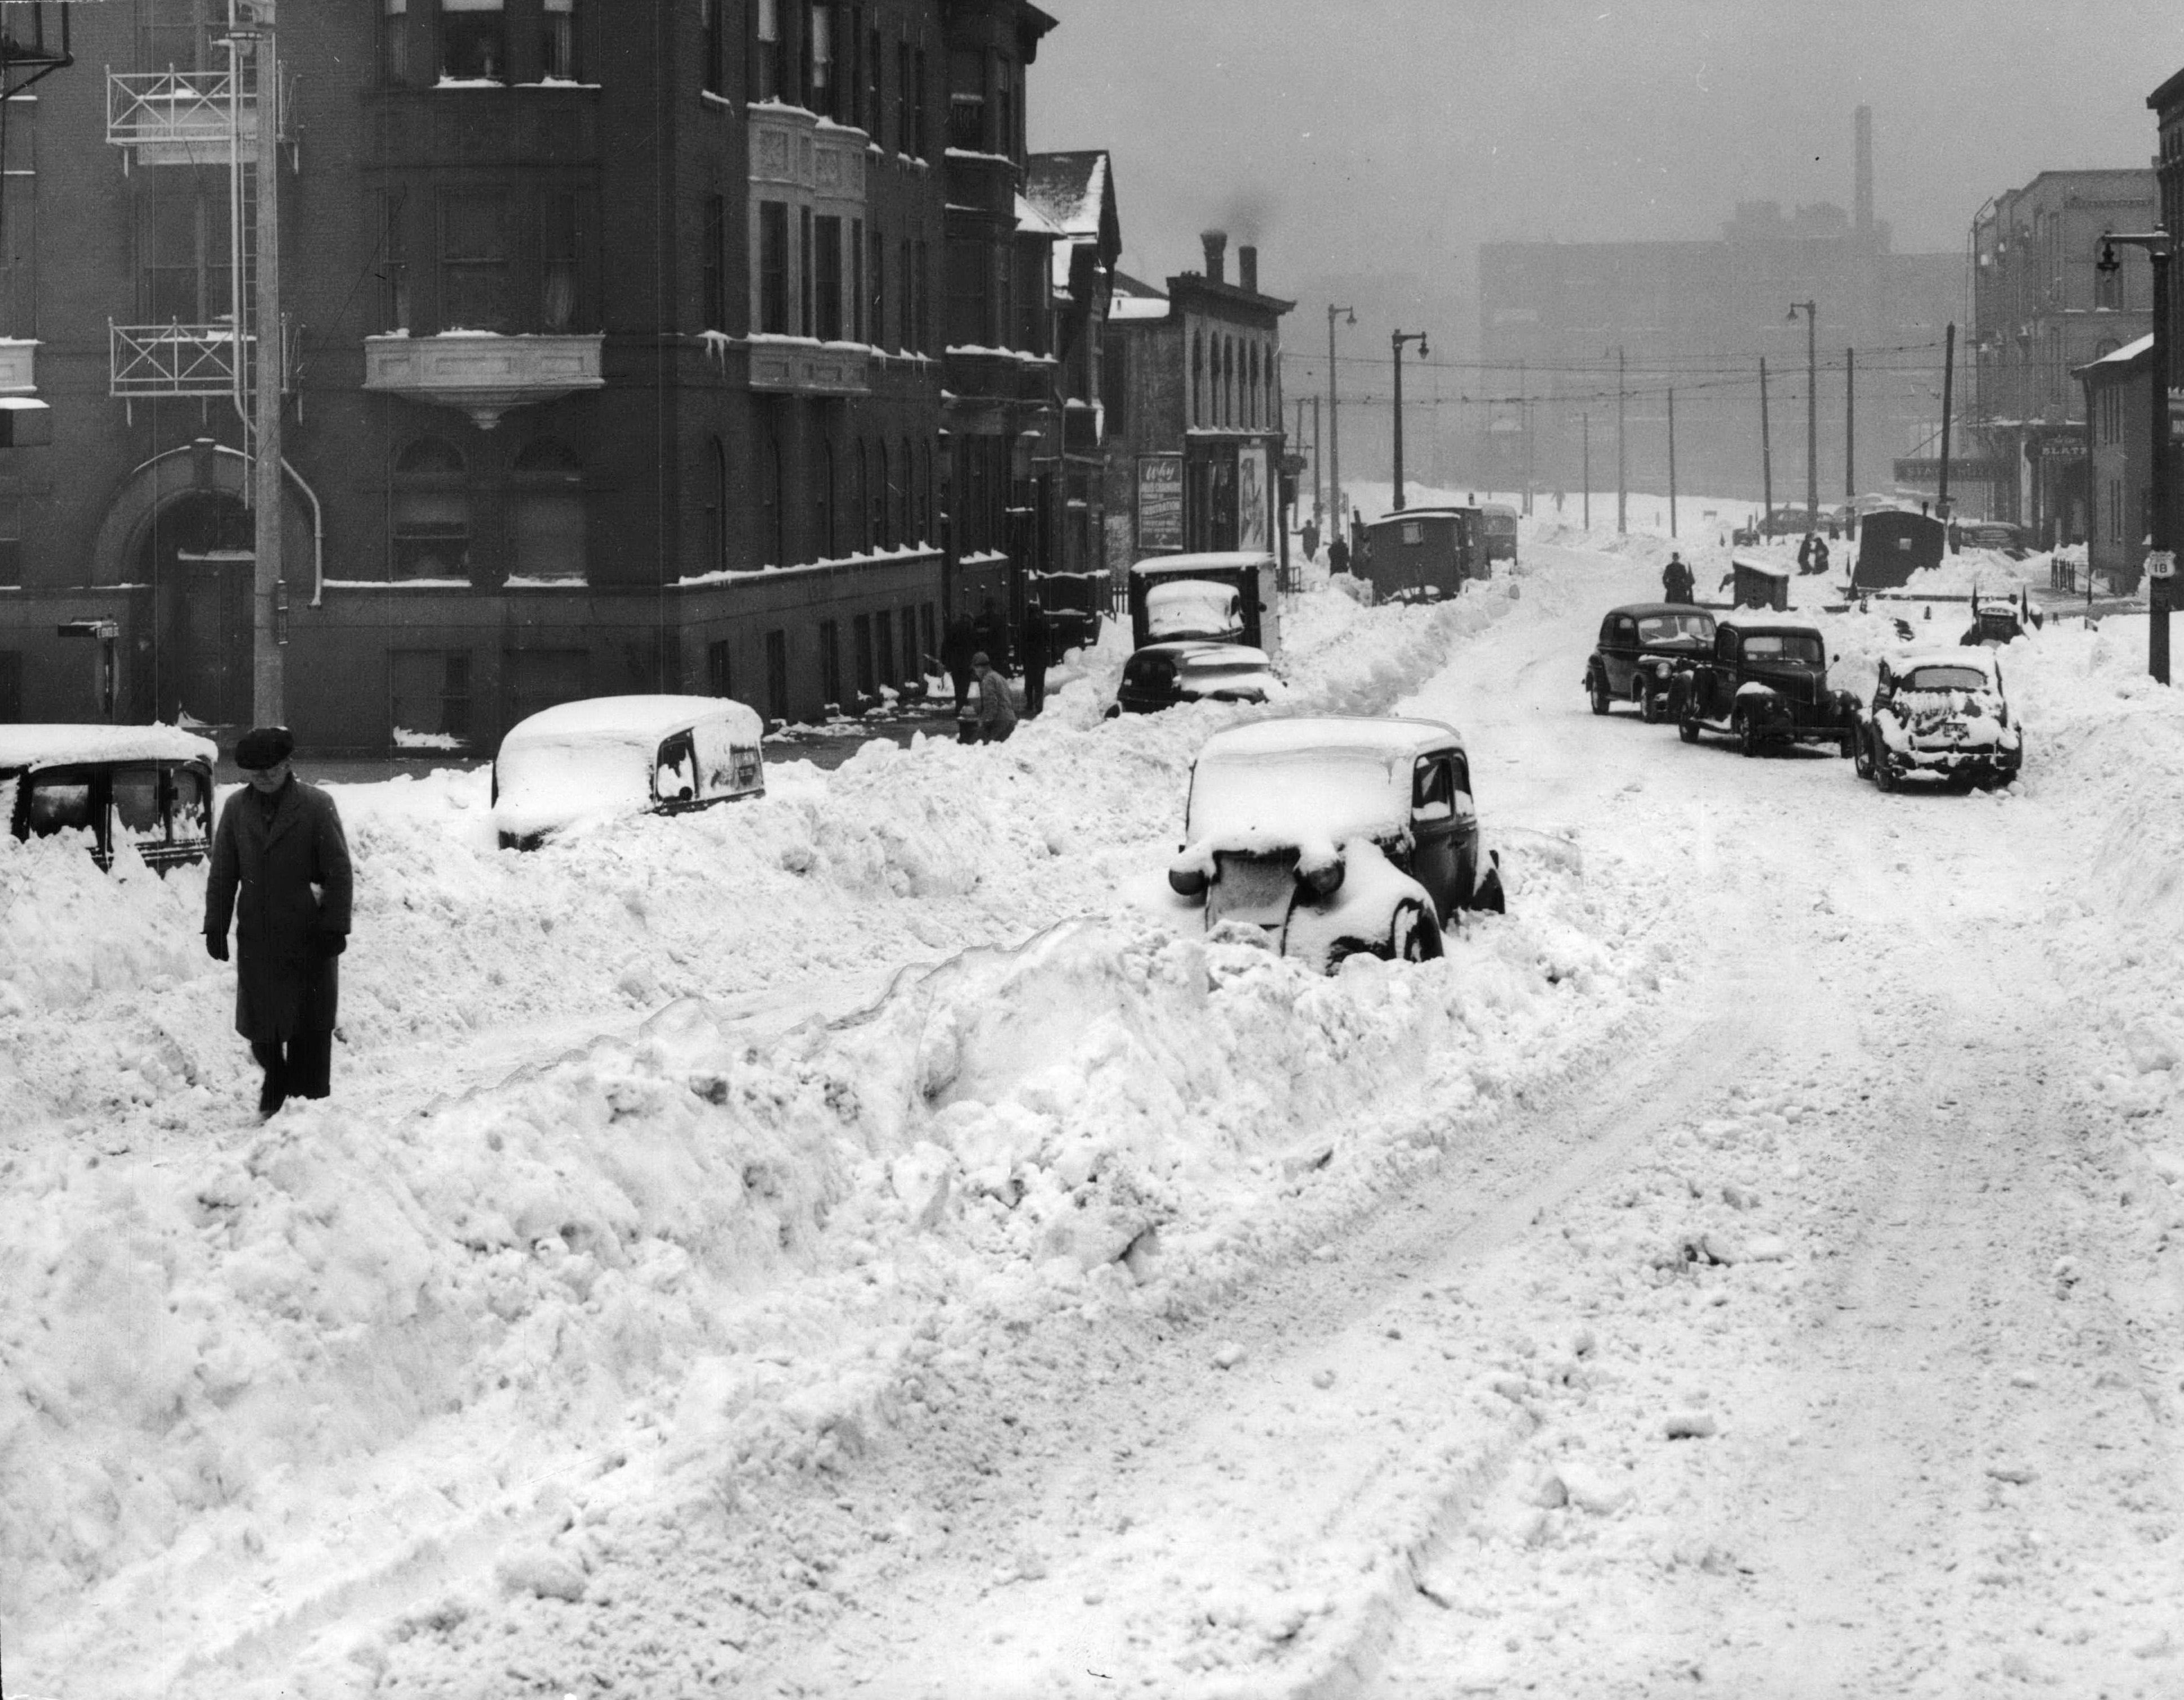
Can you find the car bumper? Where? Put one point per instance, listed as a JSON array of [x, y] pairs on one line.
[[1952, 764]]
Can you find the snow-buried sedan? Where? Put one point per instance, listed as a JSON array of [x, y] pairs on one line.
[[1334, 836], [1942, 714], [602, 757], [1764, 684]]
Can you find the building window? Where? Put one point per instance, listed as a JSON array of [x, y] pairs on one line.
[[875, 86], [720, 671], [822, 502], [394, 42], [929, 623], [1197, 377], [925, 532], [430, 521], [819, 59], [716, 512], [429, 697], [917, 106], [807, 316], [883, 649], [903, 138], [867, 679], [182, 256], [546, 512], [830, 664], [714, 18], [774, 512], [473, 41], [557, 42], [966, 102], [854, 286], [394, 257], [922, 276], [776, 677], [560, 241], [860, 500], [905, 528], [968, 279], [474, 285], [765, 83], [908, 340], [1004, 117], [712, 279], [883, 533], [826, 279], [11, 539], [773, 267]]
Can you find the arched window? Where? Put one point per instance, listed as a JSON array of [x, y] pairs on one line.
[[883, 533], [1229, 381], [430, 521], [1197, 377], [716, 512], [905, 507], [546, 514], [773, 518], [822, 502], [860, 501], [1251, 404]]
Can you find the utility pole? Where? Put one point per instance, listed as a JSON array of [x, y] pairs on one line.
[[1850, 434], [1318, 505], [1622, 485], [269, 601], [1396, 343], [1948, 401], [1587, 419], [1766, 460], [1812, 311], [1341, 527], [1672, 460]]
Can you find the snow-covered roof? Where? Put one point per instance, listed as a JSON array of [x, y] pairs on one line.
[[2125, 355], [1132, 298], [1383, 736], [1031, 221], [632, 720], [51, 745], [1069, 189], [1226, 561]]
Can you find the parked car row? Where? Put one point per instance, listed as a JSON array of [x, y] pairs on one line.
[[1939, 715]]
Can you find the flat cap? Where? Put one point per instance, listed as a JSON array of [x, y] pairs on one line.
[[264, 746]]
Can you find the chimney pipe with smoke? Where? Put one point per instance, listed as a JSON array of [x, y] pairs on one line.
[[1247, 268], [1216, 255]]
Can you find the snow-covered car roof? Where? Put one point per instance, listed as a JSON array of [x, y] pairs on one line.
[[1175, 590], [1768, 628], [1225, 560], [1969, 657], [1446, 511], [1309, 784], [632, 720], [1387, 735], [1181, 649], [53, 745], [1638, 611]]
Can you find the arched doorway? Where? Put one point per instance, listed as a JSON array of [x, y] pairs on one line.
[[197, 555]]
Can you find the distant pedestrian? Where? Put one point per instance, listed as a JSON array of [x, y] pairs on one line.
[[1311, 539], [1338, 556], [1676, 583], [997, 714], [1037, 650], [957, 645], [1805, 553], [280, 872], [1819, 554]]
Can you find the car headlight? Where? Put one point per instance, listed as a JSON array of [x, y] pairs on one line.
[[1323, 881]]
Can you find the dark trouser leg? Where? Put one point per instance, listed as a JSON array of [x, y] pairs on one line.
[[310, 1065], [962, 687], [1035, 687], [274, 1092]]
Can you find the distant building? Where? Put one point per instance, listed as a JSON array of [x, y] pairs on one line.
[[2117, 429], [1557, 318], [1194, 390], [2040, 311]]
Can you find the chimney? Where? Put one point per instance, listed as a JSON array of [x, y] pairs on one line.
[[1247, 268], [1216, 255], [1864, 200]]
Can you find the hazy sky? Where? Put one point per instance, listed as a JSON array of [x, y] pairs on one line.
[[1359, 134]]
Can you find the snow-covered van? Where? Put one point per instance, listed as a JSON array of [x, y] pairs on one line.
[[149, 786], [1254, 577], [613, 755], [1334, 836]]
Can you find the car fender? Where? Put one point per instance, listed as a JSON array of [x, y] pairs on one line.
[[1363, 907]]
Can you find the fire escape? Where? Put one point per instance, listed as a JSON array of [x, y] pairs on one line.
[[198, 118]]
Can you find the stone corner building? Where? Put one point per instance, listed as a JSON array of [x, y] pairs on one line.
[[615, 344]]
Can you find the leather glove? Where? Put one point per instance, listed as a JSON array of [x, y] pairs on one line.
[[216, 947], [333, 943]]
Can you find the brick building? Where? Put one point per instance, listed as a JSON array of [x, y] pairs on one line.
[[2116, 432], [1194, 400], [2040, 311], [615, 341]]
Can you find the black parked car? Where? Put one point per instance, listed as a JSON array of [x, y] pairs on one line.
[[1161, 674], [1640, 648], [1764, 684]]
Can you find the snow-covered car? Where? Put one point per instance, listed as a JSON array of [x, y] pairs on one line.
[[146, 786], [1640, 648], [1186, 608], [613, 755], [1333, 836], [1943, 715], [1161, 674]]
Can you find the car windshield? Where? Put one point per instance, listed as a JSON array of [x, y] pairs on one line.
[[1669, 628], [1766, 647], [1945, 679]]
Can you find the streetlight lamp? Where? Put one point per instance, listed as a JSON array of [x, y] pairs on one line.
[[1397, 342], [1341, 525], [2160, 562], [1812, 312]]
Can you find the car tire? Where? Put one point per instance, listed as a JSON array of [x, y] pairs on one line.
[[1649, 706], [1747, 735], [1861, 755], [1416, 936], [1884, 776], [1849, 749], [1596, 688], [1688, 730]]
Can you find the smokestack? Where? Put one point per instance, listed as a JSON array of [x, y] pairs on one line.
[[1216, 255], [1247, 268], [1864, 200]]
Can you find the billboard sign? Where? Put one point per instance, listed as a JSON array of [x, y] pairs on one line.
[[1159, 503]]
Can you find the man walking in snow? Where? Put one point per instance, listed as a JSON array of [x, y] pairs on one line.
[[997, 714], [280, 872], [1676, 579]]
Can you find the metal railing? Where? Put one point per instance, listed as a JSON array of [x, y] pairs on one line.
[[192, 107], [177, 359]]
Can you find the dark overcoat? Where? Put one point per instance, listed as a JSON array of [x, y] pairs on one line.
[[287, 883]]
